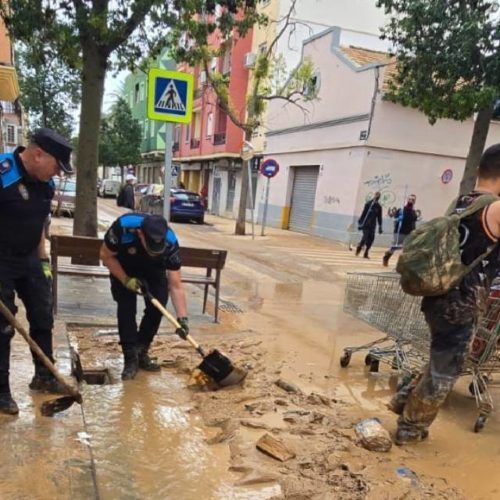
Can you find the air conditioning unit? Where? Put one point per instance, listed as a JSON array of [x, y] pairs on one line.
[[249, 60], [213, 64], [203, 78]]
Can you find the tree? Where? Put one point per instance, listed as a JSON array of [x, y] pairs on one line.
[[269, 81], [95, 35], [448, 63], [50, 90], [120, 139]]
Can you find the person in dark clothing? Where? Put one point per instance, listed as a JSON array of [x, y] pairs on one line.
[[372, 213], [452, 317], [405, 221], [139, 249], [126, 197], [26, 191]]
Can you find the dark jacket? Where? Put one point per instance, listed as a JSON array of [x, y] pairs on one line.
[[372, 213], [405, 220], [127, 197]]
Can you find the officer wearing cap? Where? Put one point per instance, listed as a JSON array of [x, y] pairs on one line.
[[26, 191], [140, 248]]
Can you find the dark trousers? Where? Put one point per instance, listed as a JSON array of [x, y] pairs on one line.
[[130, 335], [449, 348], [24, 275], [367, 239]]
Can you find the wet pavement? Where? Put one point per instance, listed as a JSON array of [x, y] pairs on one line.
[[146, 439]]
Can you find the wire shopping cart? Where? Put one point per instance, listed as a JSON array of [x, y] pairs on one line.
[[378, 300]]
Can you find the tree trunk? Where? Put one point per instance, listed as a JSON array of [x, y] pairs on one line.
[[240, 226], [93, 74], [476, 148]]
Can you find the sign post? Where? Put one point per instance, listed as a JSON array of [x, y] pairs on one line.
[[247, 152], [170, 99], [269, 169]]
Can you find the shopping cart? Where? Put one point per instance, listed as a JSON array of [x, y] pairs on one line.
[[377, 299]]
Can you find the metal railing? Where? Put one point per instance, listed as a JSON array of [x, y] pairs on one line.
[[219, 138], [195, 143]]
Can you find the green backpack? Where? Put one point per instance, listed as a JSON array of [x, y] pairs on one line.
[[431, 263]]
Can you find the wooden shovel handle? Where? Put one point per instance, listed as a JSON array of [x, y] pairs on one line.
[[35, 347], [173, 320]]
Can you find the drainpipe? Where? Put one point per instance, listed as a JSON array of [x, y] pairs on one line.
[[374, 100]]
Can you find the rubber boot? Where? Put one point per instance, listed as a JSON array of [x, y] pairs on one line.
[[130, 363], [7, 405], [358, 251], [385, 260], [145, 362], [44, 381], [366, 256]]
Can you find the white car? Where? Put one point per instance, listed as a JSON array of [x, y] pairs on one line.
[[109, 187]]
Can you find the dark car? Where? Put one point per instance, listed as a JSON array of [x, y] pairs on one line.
[[186, 205]]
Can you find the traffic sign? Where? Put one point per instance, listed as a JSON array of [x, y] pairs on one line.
[[269, 168], [170, 95]]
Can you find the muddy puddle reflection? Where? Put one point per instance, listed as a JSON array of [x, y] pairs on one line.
[[146, 444]]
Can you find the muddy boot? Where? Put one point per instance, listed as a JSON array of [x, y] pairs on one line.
[[7, 404], [130, 363], [366, 256], [406, 435], [385, 260], [358, 251], [44, 381], [145, 362]]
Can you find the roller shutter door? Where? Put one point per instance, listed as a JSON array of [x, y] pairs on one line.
[[303, 197]]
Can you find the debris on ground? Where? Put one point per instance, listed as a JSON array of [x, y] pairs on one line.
[[274, 448], [373, 436]]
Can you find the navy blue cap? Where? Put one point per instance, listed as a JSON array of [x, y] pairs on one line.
[[155, 229], [55, 145]]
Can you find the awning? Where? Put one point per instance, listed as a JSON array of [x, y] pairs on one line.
[[9, 86]]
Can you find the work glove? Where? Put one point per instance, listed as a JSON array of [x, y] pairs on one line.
[[132, 284], [46, 269], [183, 331]]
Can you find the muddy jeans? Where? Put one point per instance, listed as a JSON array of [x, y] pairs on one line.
[[449, 347]]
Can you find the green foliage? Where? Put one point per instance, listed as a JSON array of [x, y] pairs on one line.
[[50, 90], [448, 55], [120, 138]]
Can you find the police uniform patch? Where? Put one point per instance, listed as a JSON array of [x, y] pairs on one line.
[[112, 237], [5, 166], [24, 192], [132, 250]]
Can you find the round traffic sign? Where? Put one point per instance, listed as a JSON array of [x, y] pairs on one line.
[[447, 176], [269, 168]]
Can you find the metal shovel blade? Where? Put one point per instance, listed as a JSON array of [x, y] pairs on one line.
[[219, 368]]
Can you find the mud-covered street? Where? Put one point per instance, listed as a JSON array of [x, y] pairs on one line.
[[167, 435]]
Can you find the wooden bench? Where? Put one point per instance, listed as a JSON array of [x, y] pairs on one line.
[[87, 249]]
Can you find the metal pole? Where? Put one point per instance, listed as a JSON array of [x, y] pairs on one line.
[[264, 216], [250, 194], [167, 179]]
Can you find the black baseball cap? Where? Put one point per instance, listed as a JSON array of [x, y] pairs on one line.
[[155, 229], [55, 145]]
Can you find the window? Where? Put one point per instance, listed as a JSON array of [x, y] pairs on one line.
[[8, 107], [141, 91], [11, 134], [145, 135], [188, 133], [210, 124], [136, 93], [225, 59]]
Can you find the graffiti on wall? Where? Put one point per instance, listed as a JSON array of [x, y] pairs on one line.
[[331, 200], [381, 184]]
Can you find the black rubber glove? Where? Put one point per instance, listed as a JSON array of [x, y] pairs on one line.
[[183, 331]]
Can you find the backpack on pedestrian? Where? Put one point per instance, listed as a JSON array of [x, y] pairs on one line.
[[431, 262]]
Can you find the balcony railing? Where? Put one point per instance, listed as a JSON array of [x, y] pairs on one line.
[[195, 143], [219, 138], [175, 147]]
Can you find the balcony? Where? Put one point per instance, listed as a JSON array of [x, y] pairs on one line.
[[175, 147], [219, 138], [195, 143]]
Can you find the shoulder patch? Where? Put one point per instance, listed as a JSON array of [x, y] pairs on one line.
[[5, 165], [171, 237], [9, 171]]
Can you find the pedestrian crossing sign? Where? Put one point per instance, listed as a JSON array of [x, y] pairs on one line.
[[170, 95]]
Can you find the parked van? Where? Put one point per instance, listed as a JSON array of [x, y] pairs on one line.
[[109, 187]]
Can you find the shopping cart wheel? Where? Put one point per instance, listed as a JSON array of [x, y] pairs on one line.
[[480, 423], [345, 359], [481, 388], [368, 360], [374, 366]]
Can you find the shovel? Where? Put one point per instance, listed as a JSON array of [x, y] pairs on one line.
[[53, 406], [217, 366]]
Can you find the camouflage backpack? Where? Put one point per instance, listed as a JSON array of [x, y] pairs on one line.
[[431, 262]]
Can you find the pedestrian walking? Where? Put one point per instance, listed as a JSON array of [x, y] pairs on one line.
[[26, 192], [372, 214], [126, 196], [139, 249], [405, 220], [451, 315]]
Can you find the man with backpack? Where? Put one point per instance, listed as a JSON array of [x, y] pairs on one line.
[[126, 197], [372, 213], [451, 261], [405, 220]]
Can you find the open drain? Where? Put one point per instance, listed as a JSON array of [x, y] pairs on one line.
[[96, 377]]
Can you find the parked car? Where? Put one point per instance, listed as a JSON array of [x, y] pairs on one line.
[[64, 197], [151, 201], [186, 205], [109, 187]]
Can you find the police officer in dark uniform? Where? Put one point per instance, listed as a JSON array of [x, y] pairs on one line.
[[139, 249], [26, 191]]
